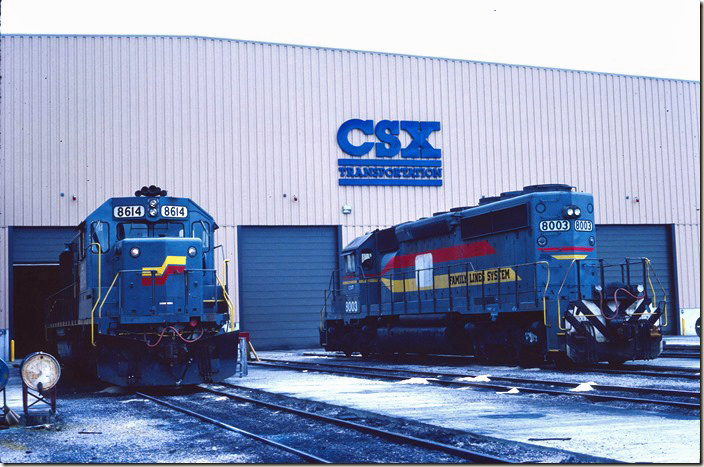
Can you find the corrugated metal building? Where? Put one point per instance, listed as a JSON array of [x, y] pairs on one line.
[[248, 130]]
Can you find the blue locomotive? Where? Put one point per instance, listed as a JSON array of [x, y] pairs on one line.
[[515, 278], [141, 302]]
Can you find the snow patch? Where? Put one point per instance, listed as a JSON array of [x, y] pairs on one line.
[[414, 381], [476, 379], [510, 391], [132, 400], [584, 387]]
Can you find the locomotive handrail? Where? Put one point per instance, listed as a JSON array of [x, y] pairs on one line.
[[559, 319], [100, 288], [601, 266], [230, 306], [107, 294], [404, 291]]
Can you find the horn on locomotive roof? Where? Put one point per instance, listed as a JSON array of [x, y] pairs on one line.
[[151, 191]]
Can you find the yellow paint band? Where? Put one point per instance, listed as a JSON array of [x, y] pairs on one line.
[[569, 256], [169, 261], [462, 279]]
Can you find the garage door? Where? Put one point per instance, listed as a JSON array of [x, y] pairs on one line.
[[283, 273], [616, 242], [38, 245]]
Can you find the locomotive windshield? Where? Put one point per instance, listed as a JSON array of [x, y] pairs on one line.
[[144, 229]]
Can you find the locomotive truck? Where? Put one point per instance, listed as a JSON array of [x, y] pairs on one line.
[[515, 278], [141, 303]]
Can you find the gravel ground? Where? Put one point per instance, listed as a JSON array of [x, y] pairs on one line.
[[126, 429], [608, 429]]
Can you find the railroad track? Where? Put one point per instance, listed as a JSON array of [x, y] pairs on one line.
[[465, 361], [457, 454], [308, 457], [681, 351], [672, 398]]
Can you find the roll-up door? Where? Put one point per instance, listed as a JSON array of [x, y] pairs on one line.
[[283, 273], [39, 245], [617, 242]]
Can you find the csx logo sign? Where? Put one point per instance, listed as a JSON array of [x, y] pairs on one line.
[[387, 132]]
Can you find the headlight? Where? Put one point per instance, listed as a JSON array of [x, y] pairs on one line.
[[542, 241], [592, 241], [153, 203], [640, 288], [192, 251], [134, 252], [152, 212], [577, 212], [570, 212]]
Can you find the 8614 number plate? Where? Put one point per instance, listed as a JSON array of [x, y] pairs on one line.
[[122, 212], [174, 211]]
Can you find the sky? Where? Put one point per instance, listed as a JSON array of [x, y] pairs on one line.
[[659, 38]]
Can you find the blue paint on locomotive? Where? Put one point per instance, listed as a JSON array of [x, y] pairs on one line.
[[525, 257], [145, 306]]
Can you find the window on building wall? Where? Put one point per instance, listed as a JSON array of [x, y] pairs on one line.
[[424, 270]]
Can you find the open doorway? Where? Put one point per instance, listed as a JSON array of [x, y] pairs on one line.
[[32, 284]]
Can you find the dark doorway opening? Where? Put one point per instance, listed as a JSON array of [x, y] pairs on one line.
[[31, 286]]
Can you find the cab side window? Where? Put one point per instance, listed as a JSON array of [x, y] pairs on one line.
[[349, 262], [201, 230], [367, 260], [100, 234]]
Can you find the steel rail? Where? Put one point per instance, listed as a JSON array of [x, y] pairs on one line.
[[601, 387], [635, 369], [424, 443], [679, 354], [304, 455], [388, 375]]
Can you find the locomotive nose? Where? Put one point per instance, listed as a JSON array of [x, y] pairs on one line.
[[161, 274]]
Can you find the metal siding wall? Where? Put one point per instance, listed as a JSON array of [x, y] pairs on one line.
[[236, 125], [284, 272], [617, 242]]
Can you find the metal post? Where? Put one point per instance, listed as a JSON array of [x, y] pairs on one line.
[[449, 287], [515, 284], [466, 284], [623, 278], [154, 289], [405, 299], [579, 280], [483, 295], [601, 269], [535, 281], [392, 293], [645, 275], [432, 270], [420, 305], [628, 272]]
